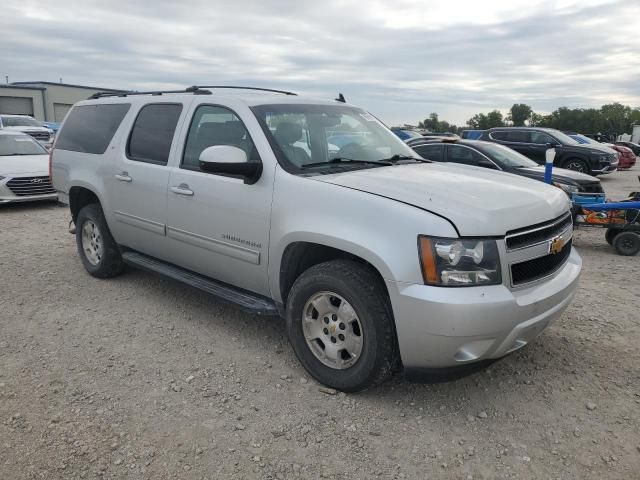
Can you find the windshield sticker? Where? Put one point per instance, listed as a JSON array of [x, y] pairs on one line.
[[368, 117], [22, 139]]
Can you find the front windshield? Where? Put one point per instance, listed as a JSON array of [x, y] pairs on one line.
[[319, 134], [506, 156], [20, 122], [19, 145], [564, 138]]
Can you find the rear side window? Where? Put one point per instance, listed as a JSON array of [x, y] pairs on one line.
[[430, 152], [90, 128], [517, 136], [499, 135], [152, 133]]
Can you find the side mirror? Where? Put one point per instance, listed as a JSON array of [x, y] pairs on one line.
[[230, 160], [552, 145]]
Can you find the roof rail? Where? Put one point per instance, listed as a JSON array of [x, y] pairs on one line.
[[195, 89], [152, 92]]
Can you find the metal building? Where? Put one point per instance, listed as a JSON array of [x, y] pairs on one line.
[[45, 101]]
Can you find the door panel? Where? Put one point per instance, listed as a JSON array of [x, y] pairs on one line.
[[140, 178], [222, 229]]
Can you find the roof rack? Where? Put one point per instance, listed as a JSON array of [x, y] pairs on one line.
[[152, 92], [195, 89]]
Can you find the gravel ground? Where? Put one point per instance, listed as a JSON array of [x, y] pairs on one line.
[[140, 377]]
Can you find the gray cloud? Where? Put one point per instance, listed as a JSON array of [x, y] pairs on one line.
[[400, 62]]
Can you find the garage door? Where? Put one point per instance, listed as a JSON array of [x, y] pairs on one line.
[[16, 106], [60, 110]]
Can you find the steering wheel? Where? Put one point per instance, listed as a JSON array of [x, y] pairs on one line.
[[356, 151]]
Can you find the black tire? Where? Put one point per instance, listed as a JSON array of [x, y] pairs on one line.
[[364, 291], [577, 165], [627, 243], [611, 234], [110, 261]]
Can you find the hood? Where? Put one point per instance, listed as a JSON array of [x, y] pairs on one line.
[[559, 174], [19, 164], [588, 148], [479, 202]]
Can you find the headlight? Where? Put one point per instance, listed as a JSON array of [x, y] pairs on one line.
[[454, 262], [566, 187]]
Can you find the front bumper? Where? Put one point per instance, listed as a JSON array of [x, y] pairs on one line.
[[441, 327], [609, 167]]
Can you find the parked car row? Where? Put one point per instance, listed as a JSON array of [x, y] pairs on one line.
[[28, 125], [626, 156], [494, 156]]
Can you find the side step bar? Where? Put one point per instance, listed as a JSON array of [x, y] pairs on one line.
[[246, 301]]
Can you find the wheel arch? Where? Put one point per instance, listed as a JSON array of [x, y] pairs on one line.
[[300, 255], [81, 196]]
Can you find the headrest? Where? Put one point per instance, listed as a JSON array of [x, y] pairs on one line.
[[288, 133]]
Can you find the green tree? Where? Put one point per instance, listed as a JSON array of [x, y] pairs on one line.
[[519, 114], [483, 121]]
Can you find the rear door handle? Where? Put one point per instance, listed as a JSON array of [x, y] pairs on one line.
[[124, 177], [182, 189]]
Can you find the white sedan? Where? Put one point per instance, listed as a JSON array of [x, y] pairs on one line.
[[24, 169]]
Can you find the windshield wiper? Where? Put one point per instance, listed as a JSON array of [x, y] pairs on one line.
[[396, 158], [340, 160]]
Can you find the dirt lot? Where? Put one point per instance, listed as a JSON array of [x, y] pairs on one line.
[[140, 377]]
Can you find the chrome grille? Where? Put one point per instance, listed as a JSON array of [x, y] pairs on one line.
[[538, 233], [538, 251], [29, 186]]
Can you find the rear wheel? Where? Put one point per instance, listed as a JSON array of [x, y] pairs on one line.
[[97, 248], [340, 325], [627, 243], [577, 165]]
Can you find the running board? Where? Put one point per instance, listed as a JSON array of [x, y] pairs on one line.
[[246, 301]]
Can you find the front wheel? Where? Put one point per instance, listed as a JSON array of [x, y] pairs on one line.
[[97, 248], [577, 165], [340, 325]]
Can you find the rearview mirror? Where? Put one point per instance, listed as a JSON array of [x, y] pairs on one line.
[[230, 160]]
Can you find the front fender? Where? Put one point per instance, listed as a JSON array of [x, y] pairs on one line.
[[379, 230]]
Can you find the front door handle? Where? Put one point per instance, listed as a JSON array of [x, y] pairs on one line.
[[124, 177], [182, 189]]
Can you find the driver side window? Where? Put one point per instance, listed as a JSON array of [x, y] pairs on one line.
[[213, 125]]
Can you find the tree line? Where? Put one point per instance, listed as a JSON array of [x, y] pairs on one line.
[[611, 119]]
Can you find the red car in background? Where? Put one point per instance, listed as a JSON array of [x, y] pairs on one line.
[[626, 157]]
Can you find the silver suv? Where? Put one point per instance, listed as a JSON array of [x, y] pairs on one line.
[[315, 211]]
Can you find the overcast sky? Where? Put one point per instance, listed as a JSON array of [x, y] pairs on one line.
[[399, 59]]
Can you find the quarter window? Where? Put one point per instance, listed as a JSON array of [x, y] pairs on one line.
[[541, 138], [214, 125], [90, 128], [152, 133], [430, 152]]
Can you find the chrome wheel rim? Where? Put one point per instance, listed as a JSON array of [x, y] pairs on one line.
[[332, 330], [576, 167], [92, 242]]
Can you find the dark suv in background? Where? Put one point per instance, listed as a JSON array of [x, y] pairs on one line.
[[534, 142]]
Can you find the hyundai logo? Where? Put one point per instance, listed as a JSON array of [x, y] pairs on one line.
[[36, 180]]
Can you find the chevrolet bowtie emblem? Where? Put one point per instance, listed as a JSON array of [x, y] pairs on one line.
[[556, 245]]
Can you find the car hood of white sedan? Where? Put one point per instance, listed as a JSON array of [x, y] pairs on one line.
[[479, 202], [22, 164]]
